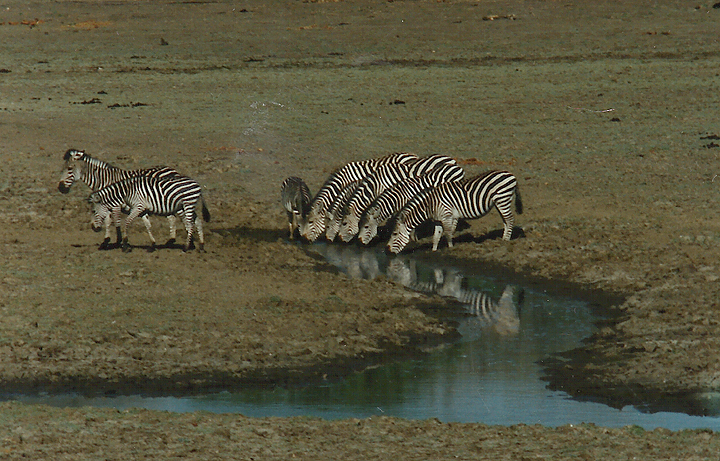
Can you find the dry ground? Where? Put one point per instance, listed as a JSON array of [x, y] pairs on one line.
[[605, 111]]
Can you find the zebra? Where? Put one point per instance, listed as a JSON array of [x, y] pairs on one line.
[[148, 195], [295, 197], [392, 200], [315, 222], [468, 199], [337, 210], [381, 180], [427, 164], [98, 174]]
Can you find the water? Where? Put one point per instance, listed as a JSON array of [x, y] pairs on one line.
[[491, 375]]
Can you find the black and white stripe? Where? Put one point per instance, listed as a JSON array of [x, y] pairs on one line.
[[315, 222], [369, 189], [449, 202], [97, 174], [380, 181], [337, 210], [148, 195], [295, 198], [394, 199]]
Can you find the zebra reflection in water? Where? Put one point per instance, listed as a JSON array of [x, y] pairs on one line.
[[483, 311], [502, 315]]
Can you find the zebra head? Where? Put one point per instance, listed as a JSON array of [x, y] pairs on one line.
[[101, 213], [332, 226], [399, 238], [72, 170], [350, 226], [314, 224], [367, 229]]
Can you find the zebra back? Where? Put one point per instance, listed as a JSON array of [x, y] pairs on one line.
[[484, 191], [98, 174], [427, 164]]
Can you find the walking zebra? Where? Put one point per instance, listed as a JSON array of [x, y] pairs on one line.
[[447, 203], [295, 197], [148, 195], [315, 222], [98, 174], [382, 179], [394, 199]]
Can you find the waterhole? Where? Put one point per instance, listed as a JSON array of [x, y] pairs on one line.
[[490, 375]]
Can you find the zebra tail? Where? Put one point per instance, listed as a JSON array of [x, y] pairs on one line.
[[518, 201], [205, 211]]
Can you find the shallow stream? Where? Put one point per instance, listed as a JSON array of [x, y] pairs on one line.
[[490, 375]]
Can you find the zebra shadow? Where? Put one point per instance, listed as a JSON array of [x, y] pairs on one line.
[[251, 233], [426, 231], [496, 234]]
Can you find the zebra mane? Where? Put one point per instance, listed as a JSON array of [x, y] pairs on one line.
[[97, 163]]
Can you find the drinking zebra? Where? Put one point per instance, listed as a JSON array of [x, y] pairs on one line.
[[148, 195], [394, 199], [295, 197], [447, 203], [98, 174], [316, 219], [337, 210], [381, 180]]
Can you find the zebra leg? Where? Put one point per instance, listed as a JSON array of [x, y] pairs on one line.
[[189, 220], [292, 224], [173, 230], [134, 213], [201, 236], [449, 228], [504, 207], [146, 221], [107, 223], [436, 236]]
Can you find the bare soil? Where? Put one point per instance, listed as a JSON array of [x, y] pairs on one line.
[[605, 111]]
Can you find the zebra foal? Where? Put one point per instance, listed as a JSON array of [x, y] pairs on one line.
[[145, 195], [295, 197], [97, 174], [449, 202]]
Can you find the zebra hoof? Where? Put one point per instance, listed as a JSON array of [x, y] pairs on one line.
[[170, 242], [151, 249], [126, 248], [105, 245]]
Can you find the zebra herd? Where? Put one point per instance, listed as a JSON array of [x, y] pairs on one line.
[[160, 191], [399, 189]]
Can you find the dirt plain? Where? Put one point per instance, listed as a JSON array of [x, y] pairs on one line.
[[607, 112]]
